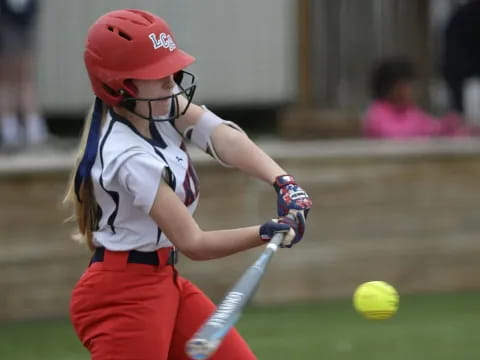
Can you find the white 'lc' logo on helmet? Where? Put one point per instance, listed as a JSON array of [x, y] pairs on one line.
[[164, 40]]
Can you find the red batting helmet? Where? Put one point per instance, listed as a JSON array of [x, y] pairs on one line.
[[130, 44]]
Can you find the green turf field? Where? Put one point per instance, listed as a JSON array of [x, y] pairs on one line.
[[436, 327]]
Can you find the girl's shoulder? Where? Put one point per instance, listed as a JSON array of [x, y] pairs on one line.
[[119, 142]]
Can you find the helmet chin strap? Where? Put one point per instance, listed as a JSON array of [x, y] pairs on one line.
[[165, 116], [160, 118]]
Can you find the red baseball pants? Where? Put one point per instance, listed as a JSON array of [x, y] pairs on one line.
[[124, 311]]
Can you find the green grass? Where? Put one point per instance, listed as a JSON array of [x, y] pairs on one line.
[[437, 327]]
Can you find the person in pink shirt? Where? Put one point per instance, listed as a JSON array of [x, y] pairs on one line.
[[394, 113]]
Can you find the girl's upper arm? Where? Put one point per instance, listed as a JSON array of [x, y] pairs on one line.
[[176, 222]]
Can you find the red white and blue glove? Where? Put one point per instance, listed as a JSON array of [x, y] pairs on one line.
[[294, 229], [290, 196]]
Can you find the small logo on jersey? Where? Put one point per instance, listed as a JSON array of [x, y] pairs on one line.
[[179, 158], [163, 40]]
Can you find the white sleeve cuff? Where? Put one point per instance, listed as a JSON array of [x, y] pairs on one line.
[[200, 133]]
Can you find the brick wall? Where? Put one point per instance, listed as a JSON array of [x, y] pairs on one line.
[[401, 212]]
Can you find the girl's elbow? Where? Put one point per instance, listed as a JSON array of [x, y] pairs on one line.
[[193, 249], [192, 254]]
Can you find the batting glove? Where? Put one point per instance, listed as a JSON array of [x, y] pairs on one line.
[[294, 229], [290, 196]]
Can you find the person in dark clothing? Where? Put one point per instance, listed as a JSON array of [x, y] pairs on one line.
[[461, 58], [21, 122]]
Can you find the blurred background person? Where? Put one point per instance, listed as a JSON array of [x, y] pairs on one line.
[[394, 113], [18, 98], [461, 53]]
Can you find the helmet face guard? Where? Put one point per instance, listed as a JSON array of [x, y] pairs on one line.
[[185, 81]]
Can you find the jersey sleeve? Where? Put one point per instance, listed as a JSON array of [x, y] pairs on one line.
[[140, 174]]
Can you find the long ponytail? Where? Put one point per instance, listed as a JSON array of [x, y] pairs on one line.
[[80, 192]]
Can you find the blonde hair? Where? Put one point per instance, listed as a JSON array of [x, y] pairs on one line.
[[85, 211]]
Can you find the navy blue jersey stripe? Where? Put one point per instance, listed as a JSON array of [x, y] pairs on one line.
[[99, 216], [156, 136], [171, 177], [113, 194]]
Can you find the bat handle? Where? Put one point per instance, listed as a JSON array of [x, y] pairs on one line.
[[277, 239]]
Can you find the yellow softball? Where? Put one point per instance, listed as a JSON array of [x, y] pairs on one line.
[[376, 300]]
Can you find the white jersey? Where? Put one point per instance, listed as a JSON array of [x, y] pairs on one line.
[[126, 176]]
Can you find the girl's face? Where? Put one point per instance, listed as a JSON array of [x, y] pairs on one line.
[[152, 89], [403, 93]]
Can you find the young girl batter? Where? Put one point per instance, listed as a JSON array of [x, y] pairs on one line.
[[134, 191]]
